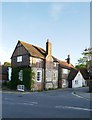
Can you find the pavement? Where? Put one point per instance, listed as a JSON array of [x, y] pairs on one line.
[[82, 92]]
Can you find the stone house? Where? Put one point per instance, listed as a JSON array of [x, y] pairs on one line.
[[48, 69]]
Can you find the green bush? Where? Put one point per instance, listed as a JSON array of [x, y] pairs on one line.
[[9, 84], [4, 83], [51, 88]]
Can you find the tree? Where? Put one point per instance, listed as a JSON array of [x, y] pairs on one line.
[[87, 51], [82, 62], [7, 64]]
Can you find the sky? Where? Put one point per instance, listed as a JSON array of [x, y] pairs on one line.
[[65, 24]]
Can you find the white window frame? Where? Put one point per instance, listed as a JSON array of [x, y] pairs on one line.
[[20, 87], [9, 73], [40, 75], [65, 71], [19, 59], [76, 82], [38, 60]]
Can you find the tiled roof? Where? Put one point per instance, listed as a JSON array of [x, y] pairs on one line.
[[84, 73], [64, 64], [74, 72], [34, 50]]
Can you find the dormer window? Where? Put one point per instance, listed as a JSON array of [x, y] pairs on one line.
[[19, 59]]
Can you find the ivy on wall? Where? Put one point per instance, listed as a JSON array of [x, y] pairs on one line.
[[27, 78]]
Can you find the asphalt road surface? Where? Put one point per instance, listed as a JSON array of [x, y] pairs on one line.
[[47, 104]]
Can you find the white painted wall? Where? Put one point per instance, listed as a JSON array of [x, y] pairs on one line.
[[9, 73], [78, 81]]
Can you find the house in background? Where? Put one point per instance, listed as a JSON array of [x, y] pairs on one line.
[[49, 71], [5, 73], [78, 78], [65, 67]]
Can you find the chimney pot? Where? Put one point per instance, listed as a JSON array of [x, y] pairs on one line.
[[68, 59], [48, 47], [47, 40]]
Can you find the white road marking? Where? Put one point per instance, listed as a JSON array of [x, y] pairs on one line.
[[19, 103], [34, 102], [79, 96], [6, 98], [22, 102], [31, 102], [27, 104], [75, 108]]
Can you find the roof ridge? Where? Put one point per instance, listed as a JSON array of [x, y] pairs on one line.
[[38, 47], [33, 49], [24, 42], [32, 45]]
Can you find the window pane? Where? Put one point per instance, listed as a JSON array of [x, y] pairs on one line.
[[19, 59], [38, 76]]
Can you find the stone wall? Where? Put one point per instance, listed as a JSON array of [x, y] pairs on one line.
[[38, 83], [51, 71]]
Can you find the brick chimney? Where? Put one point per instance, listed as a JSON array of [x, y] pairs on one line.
[[48, 47]]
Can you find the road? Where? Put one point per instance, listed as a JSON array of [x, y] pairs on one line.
[[47, 104]]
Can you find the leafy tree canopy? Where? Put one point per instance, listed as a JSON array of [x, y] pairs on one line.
[[82, 63], [7, 64], [87, 51]]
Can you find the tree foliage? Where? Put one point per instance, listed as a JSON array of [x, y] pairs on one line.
[[87, 51], [83, 61], [7, 64]]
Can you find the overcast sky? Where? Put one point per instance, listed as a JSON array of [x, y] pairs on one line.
[[66, 24]]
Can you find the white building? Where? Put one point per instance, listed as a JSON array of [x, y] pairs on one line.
[[78, 81], [78, 78]]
